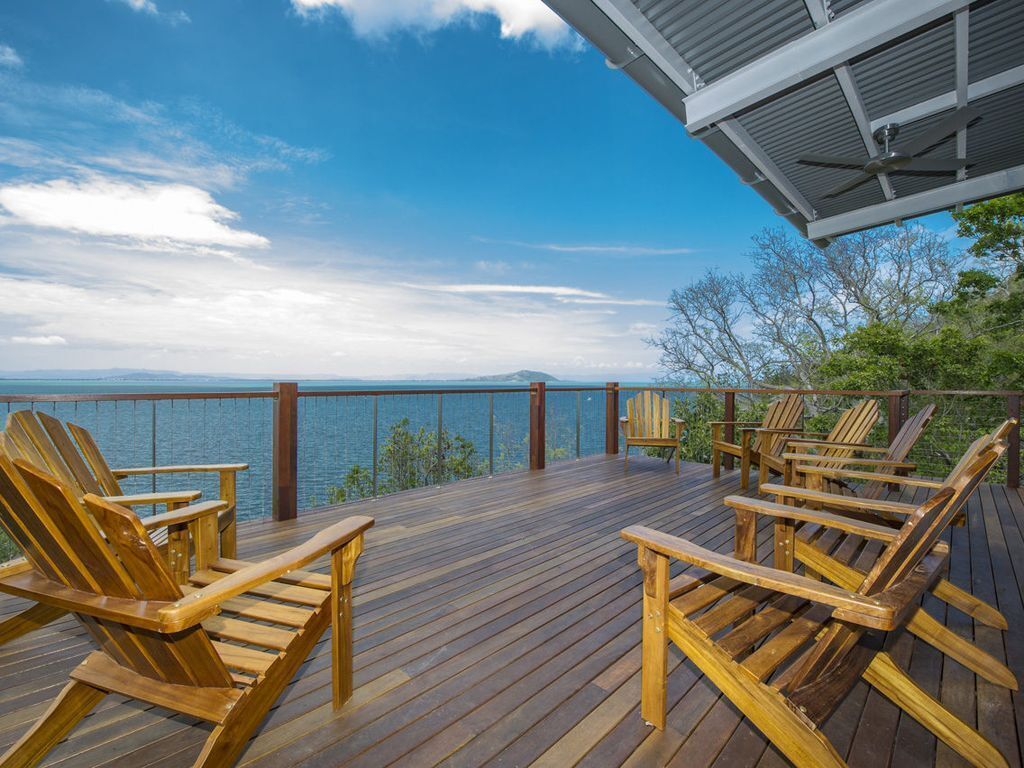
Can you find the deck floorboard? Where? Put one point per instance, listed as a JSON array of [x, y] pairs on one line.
[[497, 624]]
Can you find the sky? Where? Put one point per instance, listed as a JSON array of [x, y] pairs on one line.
[[350, 188]]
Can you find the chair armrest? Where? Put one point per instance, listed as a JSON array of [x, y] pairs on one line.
[[678, 421], [161, 497], [837, 500], [882, 477], [623, 420], [847, 524], [14, 567], [791, 432], [184, 515], [861, 609], [178, 469], [803, 442], [817, 458], [203, 603]]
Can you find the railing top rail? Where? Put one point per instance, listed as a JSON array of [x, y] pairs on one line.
[[381, 392], [845, 392], [263, 394], [133, 396]]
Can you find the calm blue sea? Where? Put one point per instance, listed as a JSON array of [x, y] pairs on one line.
[[335, 433]]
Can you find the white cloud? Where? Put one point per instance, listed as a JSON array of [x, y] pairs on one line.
[[291, 314], [595, 248], [9, 57], [145, 212], [40, 341], [518, 18], [497, 288], [148, 6]]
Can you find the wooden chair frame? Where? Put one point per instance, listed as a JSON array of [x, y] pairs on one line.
[[784, 413], [786, 649], [167, 645], [649, 424], [849, 433]]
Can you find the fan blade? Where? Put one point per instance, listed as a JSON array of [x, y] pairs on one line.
[[832, 161], [936, 164], [950, 125], [846, 186]]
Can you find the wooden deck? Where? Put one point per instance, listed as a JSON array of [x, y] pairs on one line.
[[497, 623]]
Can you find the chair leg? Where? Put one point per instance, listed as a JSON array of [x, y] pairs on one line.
[[74, 702], [893, 683], [679, 457], [29, 620], [654, 668], [716, 462], [964, 601], [625, 457]]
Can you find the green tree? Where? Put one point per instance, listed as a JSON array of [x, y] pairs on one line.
[[410, 459], [997, 228]]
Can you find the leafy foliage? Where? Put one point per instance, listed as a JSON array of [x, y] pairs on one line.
[[408, 460], [997, 228]]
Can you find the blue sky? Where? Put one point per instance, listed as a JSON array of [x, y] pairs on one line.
[[345, 187]]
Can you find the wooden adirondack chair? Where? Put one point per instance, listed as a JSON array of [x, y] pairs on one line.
[[218, 650], [828, 551], [813, 469], [852, 429], [649, 424], [782, 414], [786, 649], [95, 476], [41, 440]]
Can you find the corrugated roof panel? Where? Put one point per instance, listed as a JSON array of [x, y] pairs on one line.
[[717, 38], [840, 7], [996, 38], [909, 72], [815, 118], [996, 141]]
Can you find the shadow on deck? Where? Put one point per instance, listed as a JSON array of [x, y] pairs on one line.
[[497, 623]]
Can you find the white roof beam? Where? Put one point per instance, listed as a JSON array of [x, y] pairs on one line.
[[962, 43], [940, 199], [977, 90], [862, 29]]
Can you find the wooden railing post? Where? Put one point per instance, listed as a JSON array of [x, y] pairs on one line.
[[730, 429], [1013, 453], [537, 414], [611, 417], [899, 412], [286, 451]]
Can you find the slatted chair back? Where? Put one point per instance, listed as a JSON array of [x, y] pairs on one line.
[[104, 557], [783, 413], [62, 441], [649, 416], [853, 426], [94, 457], [837, 654], [900, 447], [35, 446]]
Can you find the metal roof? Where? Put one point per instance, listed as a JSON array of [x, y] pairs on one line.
[[763, 83]]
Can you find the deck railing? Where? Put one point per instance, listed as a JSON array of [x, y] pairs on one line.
[[310, 447]]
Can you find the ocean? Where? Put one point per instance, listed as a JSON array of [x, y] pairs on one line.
[[336, 433]]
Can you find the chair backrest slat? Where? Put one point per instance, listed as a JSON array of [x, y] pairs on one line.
[[900, 448], [649, 415], [783, 413], [62, 441], [94, 456], [854, 426]]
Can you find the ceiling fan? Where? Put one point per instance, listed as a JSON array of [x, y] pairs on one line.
[[902, 158]]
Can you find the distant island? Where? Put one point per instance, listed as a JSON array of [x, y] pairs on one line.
[[523, 375]]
